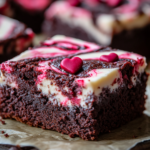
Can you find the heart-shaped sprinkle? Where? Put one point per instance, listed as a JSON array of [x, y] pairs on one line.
[[113, 3], [112, 57], [72, 65]]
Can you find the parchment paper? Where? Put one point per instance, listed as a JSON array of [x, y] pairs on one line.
[[121, 139]]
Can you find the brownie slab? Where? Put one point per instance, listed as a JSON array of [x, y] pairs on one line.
[[14, 38], [30, 12], [124, 25], [73, 87]]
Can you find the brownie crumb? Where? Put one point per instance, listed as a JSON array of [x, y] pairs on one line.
[[2, 121], [134, 136], [6, 135], [2, 132]]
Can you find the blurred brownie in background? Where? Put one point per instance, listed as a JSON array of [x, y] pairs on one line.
[[123, 24], [14, 38], [5, 8], [31, 12]]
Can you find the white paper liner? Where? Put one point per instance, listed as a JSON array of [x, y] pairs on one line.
[[120, 139]]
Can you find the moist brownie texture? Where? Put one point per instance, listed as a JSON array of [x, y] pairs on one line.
[[14, 38], [30, 12], [73, 87], [123, 24]]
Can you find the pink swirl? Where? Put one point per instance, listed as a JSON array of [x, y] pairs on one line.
[[65, 45]]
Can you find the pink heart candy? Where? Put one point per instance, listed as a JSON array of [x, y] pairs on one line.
[[112, 57], [113, 3], [72, 65]]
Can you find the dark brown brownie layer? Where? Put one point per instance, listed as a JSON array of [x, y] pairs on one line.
[[109, 111], [136, 40]]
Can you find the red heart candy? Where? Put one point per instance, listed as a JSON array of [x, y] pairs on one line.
[[112, 57], [72, 65], [113, 3]]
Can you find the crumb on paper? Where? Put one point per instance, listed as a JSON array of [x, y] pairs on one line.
[[6, 135], [2, 121], [2, 132], [134, 136]]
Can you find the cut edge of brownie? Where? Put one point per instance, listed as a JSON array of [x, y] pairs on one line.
[[130, 40], [33, 93], [36, 110]]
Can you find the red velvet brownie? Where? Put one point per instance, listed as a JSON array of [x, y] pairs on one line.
[[73, 87], [12, 147], [31, 12], [14, 38], [123, 24]]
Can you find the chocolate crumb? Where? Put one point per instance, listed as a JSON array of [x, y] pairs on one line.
[[6, 135], [134, 136], [2, 132], [2, 121]]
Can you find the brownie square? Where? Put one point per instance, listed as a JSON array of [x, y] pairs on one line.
[[5, 8], [122, 24], [14, 38], [73, 87]]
